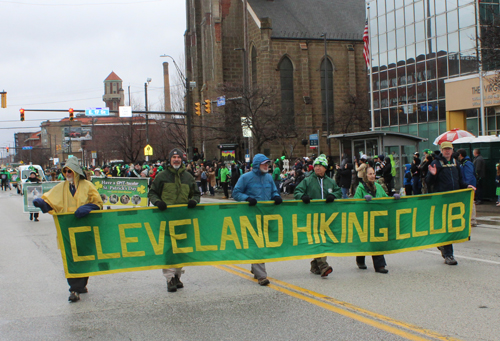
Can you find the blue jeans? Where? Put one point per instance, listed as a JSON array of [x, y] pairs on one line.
[[448, 250], [417, 185], [344, 193]]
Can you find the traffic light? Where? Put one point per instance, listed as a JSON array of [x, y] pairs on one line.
[[207, 106], [4, 99], [21, 112], [7, 150], [197, 108], [71, 116]]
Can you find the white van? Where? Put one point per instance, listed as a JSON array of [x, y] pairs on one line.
[[23, 172]]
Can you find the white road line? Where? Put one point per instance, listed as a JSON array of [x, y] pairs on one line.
[[465, 257]]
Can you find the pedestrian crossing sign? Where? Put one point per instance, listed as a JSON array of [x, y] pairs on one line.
[[148, 150]]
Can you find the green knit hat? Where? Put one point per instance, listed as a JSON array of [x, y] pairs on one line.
[[321, 160]]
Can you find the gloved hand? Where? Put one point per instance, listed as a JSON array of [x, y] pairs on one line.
[[192, 203], [84, 210], [396, 196], [161, 205], [41, 204], [277, 200], [330, 198], [306, 199], [251, 201], [368, 197]]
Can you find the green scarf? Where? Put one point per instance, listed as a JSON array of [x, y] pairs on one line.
[[177, 173]]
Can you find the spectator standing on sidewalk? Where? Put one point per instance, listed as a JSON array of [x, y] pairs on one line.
[[480, 166]]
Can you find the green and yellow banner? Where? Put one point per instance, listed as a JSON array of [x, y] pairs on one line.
[[130, 192], [124, 240]]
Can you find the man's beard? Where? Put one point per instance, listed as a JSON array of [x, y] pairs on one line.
[[176, 166]]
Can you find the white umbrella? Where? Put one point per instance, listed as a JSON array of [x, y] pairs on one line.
[[451, 136]]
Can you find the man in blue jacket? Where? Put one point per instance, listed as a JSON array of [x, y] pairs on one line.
[[254, 186], [469, 175]]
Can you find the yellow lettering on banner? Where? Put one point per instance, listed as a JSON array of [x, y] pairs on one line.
[[175, 237], [325, 226], [197, 239], [443, 223], [257, 236], [228, 223], [157, 246], [383, 231], [305, 229], [72, 240], [398, 224], [344, 227], [416, 233], [459, 216], [127, 240], [267, 219], [315, 228], [362, 232], [98, 246]]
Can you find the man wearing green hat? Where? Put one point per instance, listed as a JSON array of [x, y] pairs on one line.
[[318, 186]]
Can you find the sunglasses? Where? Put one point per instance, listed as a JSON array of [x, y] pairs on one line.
[[67, 171]]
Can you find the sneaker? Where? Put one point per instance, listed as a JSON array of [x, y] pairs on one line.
[[361, 266], [73, 296], [264, 281], [314, 268], [172, 285], [441, 248], [36, 219], [382, 270], [450, 260], [326, 271], [178, 282]]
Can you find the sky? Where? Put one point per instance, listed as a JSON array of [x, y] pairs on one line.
[[55, 54]]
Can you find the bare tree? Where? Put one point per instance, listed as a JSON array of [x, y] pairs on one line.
[[355, 117]]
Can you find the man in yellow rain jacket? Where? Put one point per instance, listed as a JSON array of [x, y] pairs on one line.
[[73, 195]]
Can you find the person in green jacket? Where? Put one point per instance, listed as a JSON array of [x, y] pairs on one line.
[[318, 186], [225, 177], [174, 186], [277, 174], [368, 188], [6, 177]]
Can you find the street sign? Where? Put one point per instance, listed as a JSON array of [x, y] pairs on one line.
[[27, 147], [94, 154], [313, 140], [221, 101], [247, 157], [125, 111], [97, 112], [148, 150]]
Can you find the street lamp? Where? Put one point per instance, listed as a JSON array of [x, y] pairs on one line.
[[187, 109], [146, 108]]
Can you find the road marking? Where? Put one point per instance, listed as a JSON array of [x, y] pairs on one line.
[[343, 308], [465, 257]]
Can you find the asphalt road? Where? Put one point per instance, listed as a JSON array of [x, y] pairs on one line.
[[420, 299]]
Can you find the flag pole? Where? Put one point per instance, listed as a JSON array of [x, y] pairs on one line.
[[371, 72]]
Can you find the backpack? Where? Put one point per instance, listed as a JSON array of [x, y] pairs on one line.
[[204, 175]]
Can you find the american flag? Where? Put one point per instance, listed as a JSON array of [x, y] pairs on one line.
[[366, 47]]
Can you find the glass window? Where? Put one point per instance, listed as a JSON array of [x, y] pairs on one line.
[[410, 53], [373, 12], [391, 23], [393, 78], [286, 80], [384, 99], [467, 16], [327, 99], [419, 11], [440, 6], [468, 62], [380, 7], [403, 116], [254, 67], [432, 114], [376, 100], [376, 114], [431, 69], [421, 53], [453, 64], [391, 40], [441, 89], [389, 4], [393, 113], [410, 73], [442, 67], [385, 117], [374, 45], [381, 25], [411, 94], [452, 21], [399, 3], [472, 113], [401, 75], [402, 95], [420, 31], [453, 42], [401, 55], [465, 2], [382, 43], [431, 27], [410, 34], [431, 46], [451, 5], [408, 2], [421, 72], [383, 58], [429, 7], [400, 37], [442, 44], [441, 24], [400, 18], [412, 115], [391, 58], [422, 113], [468, 39], [431, 90], [409, 14], [421, 92], [373, 27], [442, 113]]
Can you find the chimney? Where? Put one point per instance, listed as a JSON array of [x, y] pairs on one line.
[[166, 87]]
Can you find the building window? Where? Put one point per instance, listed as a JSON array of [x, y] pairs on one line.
[[327, 94], [286, 80], [254, 67]]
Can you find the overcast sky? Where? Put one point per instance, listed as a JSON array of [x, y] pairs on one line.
[[55, 54]]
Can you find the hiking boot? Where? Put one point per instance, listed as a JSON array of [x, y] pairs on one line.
[[361, 266], [264, 281], [314, 268], [172, 285], [441, 248], [84, 291], [326, 271], [382, 270], [178, 282], [450, 260], [73, 296]]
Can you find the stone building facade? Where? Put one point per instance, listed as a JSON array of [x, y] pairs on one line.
[[114, 96], [279, 47]]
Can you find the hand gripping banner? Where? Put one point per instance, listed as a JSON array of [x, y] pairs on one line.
[[115, 241]]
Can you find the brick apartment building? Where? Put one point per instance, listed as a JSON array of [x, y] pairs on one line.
[[279, 48]]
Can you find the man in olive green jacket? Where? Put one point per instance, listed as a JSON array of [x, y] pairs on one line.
[[174, 186], [318, 186]]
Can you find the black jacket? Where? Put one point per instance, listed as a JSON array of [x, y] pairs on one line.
[[448, 176], [345, 176]]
